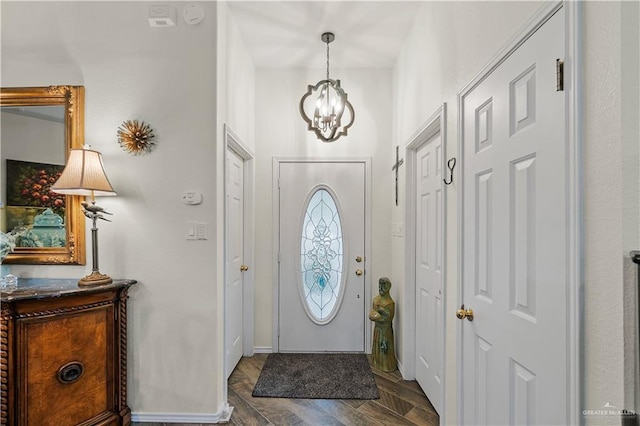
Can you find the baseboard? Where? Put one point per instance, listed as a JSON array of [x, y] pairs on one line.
[[401, 369], [221, 416], [263, 349]]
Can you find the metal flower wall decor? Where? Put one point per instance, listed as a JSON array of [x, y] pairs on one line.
[[136, 137]]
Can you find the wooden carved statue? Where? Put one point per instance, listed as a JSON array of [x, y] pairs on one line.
[[383, 354]]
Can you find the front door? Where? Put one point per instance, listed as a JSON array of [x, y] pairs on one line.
[[321, 301], [515, 265]]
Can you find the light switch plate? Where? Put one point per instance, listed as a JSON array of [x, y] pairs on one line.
[[192, 230]]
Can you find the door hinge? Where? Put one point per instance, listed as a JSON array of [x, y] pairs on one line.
[[559, 75], [278, 183], [278, 257]]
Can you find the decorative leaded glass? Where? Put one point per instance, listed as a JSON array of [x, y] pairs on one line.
[[321, 253]]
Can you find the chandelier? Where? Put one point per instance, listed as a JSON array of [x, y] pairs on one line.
[[330, 106]]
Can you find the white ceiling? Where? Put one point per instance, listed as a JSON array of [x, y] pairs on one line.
[[286, 34]]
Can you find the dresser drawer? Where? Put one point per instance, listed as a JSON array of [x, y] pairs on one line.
[[65, 367]]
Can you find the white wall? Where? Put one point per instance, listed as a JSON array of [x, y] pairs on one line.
[[603, 201], [236, 79], [166, 77], [281, 132], [438, 59]]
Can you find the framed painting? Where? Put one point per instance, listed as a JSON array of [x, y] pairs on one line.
[[34, 212]]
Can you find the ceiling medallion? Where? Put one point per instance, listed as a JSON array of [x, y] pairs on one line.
[[330, 105]]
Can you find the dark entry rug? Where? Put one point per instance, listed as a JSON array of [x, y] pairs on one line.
[[316, 376]]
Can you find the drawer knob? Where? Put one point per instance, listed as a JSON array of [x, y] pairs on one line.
[[70, 372]]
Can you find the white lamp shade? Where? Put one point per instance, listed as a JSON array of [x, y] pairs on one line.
[[83, 175]]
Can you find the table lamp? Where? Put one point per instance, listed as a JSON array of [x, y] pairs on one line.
[[84, 175]]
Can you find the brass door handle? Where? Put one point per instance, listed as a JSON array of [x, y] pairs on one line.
[[244, 268], [359, 272], [463, 313]]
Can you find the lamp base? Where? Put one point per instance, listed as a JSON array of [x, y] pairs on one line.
[[95, 278]]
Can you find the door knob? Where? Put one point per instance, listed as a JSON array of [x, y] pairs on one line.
[[359, 272], [244, 268], [463, 313]]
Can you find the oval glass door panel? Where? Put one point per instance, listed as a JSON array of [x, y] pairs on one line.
[[321, 257]]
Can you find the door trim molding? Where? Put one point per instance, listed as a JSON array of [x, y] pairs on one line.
[[275, 205], [573, 122], [437, 123], [235, 144], [574, 103]]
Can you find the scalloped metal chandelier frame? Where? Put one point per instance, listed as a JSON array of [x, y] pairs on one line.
[[326, 121]]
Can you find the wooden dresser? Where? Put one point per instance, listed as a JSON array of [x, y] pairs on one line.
[[64, 354]]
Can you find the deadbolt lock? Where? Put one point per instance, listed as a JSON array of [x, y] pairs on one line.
[[463, 313], [244, 268], [358, 259]]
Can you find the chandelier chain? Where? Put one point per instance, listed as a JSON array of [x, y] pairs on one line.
[[327, 60]]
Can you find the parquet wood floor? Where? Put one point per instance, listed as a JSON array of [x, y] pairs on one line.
[[401, 403]]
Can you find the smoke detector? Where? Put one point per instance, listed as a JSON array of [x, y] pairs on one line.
[[193, 15]]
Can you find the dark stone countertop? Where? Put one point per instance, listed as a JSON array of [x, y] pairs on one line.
[[43, 288]]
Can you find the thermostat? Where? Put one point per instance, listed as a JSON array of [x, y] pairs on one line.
[[192, 197]]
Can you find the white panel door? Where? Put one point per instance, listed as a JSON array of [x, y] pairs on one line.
[[325, 310], [429, 243], [515, 226], [234, 255]]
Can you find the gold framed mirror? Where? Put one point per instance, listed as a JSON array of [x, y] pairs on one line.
[[39, 127]]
